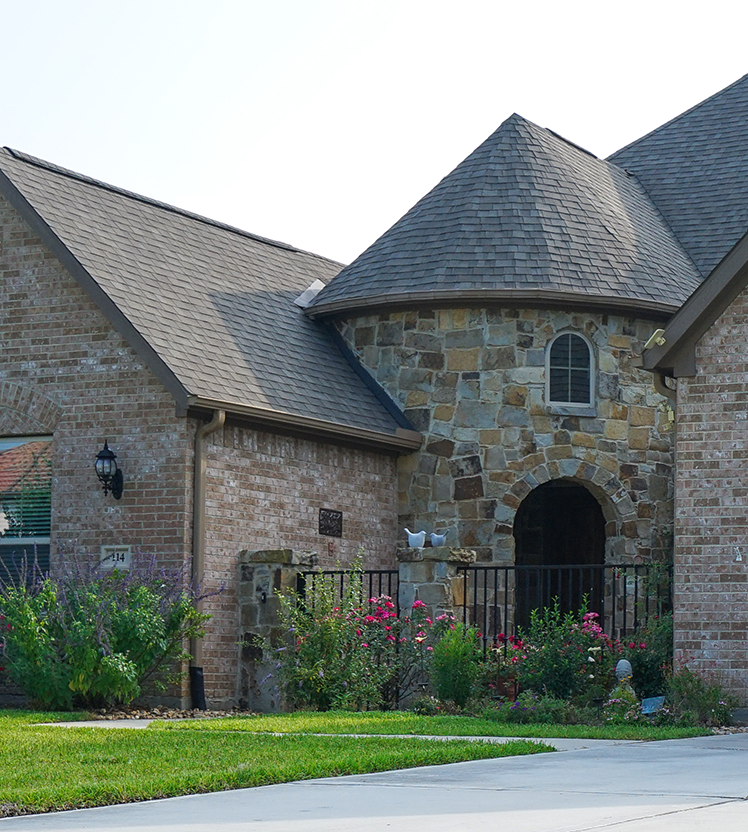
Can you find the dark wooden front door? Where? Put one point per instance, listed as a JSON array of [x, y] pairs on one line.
[[559, 529]]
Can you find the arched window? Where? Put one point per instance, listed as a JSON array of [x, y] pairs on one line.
[[569, 373]]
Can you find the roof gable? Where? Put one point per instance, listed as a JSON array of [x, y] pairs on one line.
[[209, 307], [695, 169], [676, 354], [527, 215]]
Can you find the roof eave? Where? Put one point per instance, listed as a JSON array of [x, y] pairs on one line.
[[677, 355], [109, 309], [493, 296], [401, 441]]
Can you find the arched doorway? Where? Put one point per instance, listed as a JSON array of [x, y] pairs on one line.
[[559, 533]]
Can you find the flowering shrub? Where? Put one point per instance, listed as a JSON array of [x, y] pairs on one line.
[[650, 651], [623, 706], [427, 706], [564, 656], [89, 638], [349, 652]]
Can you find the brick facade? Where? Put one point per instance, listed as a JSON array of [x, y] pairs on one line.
[[473, 381], [711, 520], [65, 371], [265, 492]]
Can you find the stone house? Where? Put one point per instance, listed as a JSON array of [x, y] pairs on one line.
[[481, 368]]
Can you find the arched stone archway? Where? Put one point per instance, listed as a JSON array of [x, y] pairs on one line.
[[559, 534], [618, 509]]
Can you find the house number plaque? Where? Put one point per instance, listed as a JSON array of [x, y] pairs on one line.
[[115, 557]]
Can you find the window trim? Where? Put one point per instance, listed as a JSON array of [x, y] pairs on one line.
[[571, 408]]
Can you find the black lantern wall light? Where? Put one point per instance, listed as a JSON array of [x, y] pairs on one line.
[[110, 476]]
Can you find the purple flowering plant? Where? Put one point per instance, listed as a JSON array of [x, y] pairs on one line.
[[86, 637]]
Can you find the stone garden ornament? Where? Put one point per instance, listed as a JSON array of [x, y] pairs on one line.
[[415, 539], [624, 670], [439, 538]]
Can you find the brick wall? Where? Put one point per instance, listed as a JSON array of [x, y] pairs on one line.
[[65, 371], [711, 520], [264, 491]]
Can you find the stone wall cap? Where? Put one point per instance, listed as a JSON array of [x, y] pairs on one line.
[[444, 554], [286, 557]]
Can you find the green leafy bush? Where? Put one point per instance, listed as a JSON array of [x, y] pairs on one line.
[[565, 655], [623, 706], [650, 651], [530, 708], [699, 698], [455, 664], [348, 652], [89, 638]]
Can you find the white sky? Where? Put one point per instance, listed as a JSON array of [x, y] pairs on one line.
[[320, 122]]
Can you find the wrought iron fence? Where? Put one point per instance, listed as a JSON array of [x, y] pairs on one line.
[[374, 582], [499, 599]]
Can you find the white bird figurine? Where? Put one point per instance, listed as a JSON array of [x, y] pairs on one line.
[[415, 539], [439, 538]]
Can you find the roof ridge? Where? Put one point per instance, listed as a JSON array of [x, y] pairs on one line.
[[514, 117], [89, 180], [573, 144], [677, 118]]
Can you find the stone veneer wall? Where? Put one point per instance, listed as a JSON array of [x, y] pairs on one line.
[[711, 519], [264, 492], [473, 381]]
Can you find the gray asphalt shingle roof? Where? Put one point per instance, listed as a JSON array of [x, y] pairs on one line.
[[695, 169], [526, 213], [215, 303]]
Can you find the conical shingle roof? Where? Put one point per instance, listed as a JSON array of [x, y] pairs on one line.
[[530, 217], [695, 169]]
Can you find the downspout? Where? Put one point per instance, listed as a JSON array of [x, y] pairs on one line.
[[671, 395], [661, 387], [197, 682]]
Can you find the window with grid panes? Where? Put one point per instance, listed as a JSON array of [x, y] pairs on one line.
[[570, 370], [25, 503]]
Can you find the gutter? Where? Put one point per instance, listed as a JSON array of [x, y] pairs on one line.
[[402, 440], [197, 682], [516, 297]]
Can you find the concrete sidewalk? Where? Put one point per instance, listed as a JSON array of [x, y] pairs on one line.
[[673, 786]]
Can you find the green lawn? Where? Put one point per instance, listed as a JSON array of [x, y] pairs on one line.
[[49, 768], [403, 722]]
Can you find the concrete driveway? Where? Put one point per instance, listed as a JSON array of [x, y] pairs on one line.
[[674, 786]]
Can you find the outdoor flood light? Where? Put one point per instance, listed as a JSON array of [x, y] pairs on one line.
[[107, 471]]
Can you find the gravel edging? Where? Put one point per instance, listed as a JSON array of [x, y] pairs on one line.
[[165, 713]]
